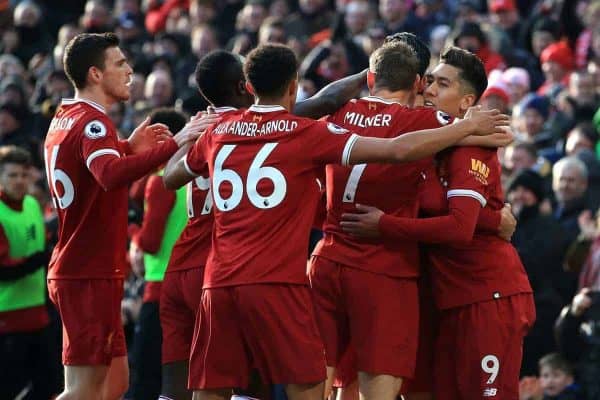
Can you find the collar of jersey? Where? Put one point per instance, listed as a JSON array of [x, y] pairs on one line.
[[379, 100], [220, 110], [80, 100], [265, 109]]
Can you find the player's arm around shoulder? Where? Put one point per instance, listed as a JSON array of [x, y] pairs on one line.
[[424, 143]]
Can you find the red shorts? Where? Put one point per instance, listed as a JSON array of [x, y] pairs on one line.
[[428, 321], [479, 349], [379, 313], [270, 327], [91, 318], [179, 302]]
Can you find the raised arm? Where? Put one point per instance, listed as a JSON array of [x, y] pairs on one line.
[[332, 97]]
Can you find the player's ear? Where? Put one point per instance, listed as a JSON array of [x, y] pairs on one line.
[[371, 80], [293, 88], [468, 100], [417, 84], [94, 74], [249, 88], [241, 88]]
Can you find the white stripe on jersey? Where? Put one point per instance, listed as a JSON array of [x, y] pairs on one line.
[[348, 148], [98, 153], [187, 167], [467, 193]]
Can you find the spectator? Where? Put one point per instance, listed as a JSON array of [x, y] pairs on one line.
[[504, 14], [248, 23], [469, 36], [569, 183], [28, 357], [96, 17], [583, 136], [496, 97], [158, 90], [357, 17], [557, 378], [312, 17], [530, 118], [541, 244], [581, 345], [517, 80], [557, 63], [31, 34], [397, 16], [272, 31], [582, 93], [545, 32]]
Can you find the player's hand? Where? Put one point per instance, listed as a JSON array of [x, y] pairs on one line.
[[508, 223], [365, 224], [195, 127], [146, 136], [530, 389], [581, 302], [498, 139], [486, 122]]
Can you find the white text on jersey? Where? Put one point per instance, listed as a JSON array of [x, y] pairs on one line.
[[360, 120], [62, 123], [242, 128]]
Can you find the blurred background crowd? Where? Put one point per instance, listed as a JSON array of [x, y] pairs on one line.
[[543, 64]]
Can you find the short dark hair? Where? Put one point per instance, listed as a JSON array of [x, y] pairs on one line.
[[270, 68], [557, 362], [173, 119], [472, 72], [84, 51], [396, 66], [419, 46], [14, 155], [217, 75]]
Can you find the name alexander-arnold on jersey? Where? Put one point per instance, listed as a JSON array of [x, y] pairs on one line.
[[243, 128]]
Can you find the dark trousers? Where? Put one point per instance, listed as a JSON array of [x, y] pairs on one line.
[[147, 341], [29, 363]]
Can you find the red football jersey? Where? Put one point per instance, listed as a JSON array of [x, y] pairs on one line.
[[191, 249], [263, 164], [488, 267], [389, 187], [92, 232]]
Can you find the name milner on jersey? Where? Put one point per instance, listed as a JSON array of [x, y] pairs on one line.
[[362, 121], [244, 128]]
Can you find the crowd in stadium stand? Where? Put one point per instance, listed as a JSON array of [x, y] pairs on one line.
[[543, 64]]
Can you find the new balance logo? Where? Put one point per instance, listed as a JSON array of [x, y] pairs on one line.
[[490, 392]]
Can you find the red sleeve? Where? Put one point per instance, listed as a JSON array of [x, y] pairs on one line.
[[468, 173], [158, 204], [113, 172], [329, 143], [194, 161], [489, 220], [456, 227], [125, 147]]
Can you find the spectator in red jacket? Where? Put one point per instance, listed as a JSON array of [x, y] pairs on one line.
[[469, 36]]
